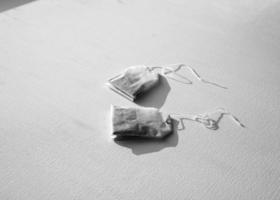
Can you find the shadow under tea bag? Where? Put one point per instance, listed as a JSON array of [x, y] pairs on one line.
[[140, 122], [135, 80]]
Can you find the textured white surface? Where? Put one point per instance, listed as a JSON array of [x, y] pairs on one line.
[[56, 55]]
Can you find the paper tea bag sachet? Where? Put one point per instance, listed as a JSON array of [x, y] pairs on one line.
[[140, 122], [134, 81]]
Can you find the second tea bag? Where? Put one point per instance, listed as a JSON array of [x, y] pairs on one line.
[[134, 81]]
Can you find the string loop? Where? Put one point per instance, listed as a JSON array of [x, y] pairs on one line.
[[207, 121], [166, 70]]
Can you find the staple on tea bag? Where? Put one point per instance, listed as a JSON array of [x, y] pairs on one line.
[[140, 122]]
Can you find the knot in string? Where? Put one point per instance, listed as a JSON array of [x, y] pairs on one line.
[[207, 122]]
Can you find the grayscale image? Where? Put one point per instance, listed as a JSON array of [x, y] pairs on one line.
[[139, 100]]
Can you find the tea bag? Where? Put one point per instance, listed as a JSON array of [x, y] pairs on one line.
[[134, 81], [140, 122], [137, 80]]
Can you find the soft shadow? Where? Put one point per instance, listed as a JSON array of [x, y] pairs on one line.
[[120, 1], [82, 125], [156, 96], [9, 4], [145, 145]]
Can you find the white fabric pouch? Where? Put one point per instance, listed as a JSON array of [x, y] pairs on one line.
[[134, 81], [140, 122]]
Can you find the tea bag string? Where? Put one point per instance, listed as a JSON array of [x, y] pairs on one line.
[[170, 69], [206, 120]]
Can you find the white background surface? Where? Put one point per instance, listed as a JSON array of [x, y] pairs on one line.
[[56, 55]]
